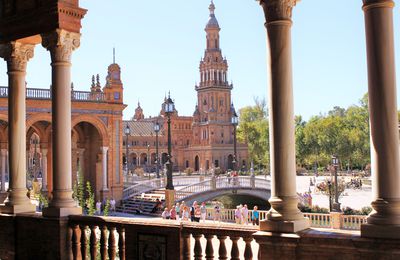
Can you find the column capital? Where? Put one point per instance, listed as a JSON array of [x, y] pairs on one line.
[[44, 151], [368, 4], [277, 10], [104, 149], [17, 55], [61, 43], [3, 152]]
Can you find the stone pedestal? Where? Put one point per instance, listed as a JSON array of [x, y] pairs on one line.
[[336, 220], [169, 198]]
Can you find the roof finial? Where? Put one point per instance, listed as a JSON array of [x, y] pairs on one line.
[[114, 55], [211, 7]]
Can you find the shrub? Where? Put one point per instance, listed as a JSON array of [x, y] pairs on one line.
[[106, 210], [218, 171], [90, 202], [139, 172], [188, 171], [366, 210]]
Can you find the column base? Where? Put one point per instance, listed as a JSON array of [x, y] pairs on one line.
[[380, 231], [52, 212], [282, 226], [169, 198], [16, 209]]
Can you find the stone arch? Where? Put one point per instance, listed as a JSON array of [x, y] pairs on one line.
[[196, 163], [32, 119], [96, 122], [143, 159], [230, 162]]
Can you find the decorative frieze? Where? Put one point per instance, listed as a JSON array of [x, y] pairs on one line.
[[276, 10], [61, 43]]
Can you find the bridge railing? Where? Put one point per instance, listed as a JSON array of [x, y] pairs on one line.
[[143, 187], [191, 189]]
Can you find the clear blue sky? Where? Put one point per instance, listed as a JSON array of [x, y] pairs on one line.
[[159, 45]]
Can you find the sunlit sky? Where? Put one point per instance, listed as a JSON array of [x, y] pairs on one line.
[[159, 45]]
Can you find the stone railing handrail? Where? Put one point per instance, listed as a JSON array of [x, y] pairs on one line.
[[143, 187], [318, 220], [76, 95], [104, 237], [194, 188]]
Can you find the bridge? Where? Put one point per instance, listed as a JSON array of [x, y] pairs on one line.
[[203, 188]]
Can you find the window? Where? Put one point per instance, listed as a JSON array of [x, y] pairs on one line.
[[116, 95], [216, 163], [187, 164]]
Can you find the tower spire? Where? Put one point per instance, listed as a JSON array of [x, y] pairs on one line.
[[113, 55]]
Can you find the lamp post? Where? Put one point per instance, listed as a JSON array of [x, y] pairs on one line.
[[169, 108], [157, 129], [335, 163], [147, 160], [127, 133], [234, 121]]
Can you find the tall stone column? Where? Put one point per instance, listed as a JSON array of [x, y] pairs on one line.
[[44, 166], [81, 157], [17, 55], [104, 150], [61, 43], [3, 154], [284, 215], [384, 221]]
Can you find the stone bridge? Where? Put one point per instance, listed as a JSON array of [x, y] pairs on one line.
[[201, 189]]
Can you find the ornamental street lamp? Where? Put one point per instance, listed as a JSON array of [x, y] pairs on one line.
[[235, 122], [335, 163], [148, 160], [169, 108], [157, 129], [127, 133]]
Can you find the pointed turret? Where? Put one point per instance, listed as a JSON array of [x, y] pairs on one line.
[[138, 113]]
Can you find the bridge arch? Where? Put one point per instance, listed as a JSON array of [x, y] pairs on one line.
[[96, 122]]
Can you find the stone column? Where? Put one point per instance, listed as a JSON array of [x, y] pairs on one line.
[[17, 55], [284, 215], [384, 221], [3, 169], [104, 150], [81, 157], [44, 166], [61, 43]]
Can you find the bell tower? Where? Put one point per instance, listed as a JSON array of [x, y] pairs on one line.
[[212, 120]]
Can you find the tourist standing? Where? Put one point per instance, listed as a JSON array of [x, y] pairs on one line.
[[197, 213], [185, 213], [245, 214], [112, 204], [98, 207], [256, 216], [172, 213], [203, 211], [178, 211], [166, 214], [192, 210], [217, 212], [238, 215]]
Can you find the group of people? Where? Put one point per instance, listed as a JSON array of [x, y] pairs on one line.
[[101, 205], [181, 211], [242, 215]]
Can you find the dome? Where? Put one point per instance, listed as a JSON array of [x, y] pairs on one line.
[[212, 21]]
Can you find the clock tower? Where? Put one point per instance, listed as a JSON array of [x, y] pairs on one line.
[[114, 88]]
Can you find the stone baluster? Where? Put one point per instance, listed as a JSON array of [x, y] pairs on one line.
[[186, 246], [222, 252], [112, 247], [103, 242], [121, 243], [198, 251], [384, 221], [209, 247], [104, 150], [44, 173], [16, 55], [69, 243], [84, 241], [235, 248], [76, 242], [248, 252], [93, 243], [284, 215], [3, 153], [61, 43]]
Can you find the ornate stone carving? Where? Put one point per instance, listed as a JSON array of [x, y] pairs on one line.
[[17, 55], [368, 4], [276, 10], [61, 43]]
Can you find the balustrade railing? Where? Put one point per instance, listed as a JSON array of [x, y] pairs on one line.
[[352, 222], [106, 238], [143, 187], [45, 94], [191, 189]]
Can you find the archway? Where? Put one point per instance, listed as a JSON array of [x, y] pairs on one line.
[[143, 159], [164, 158], [132, 160], [230, 162], [196, 163]]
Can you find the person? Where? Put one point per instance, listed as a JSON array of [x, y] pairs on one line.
[[140, 209], [217, 212], [245, 215], [185, 213], [177, 209], [172, 213], [157, 206], [255, 219], [182, 206], [203, 211], [229, 178], [166, 214], [197, 213], [192, 209], [112, 204], [238, 215], [98, 207]]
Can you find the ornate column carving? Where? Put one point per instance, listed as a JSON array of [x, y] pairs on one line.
[[44, 166], [104, 150], [284, 215], [384, 221], [61, 43], [17, 55], [3, 169]]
